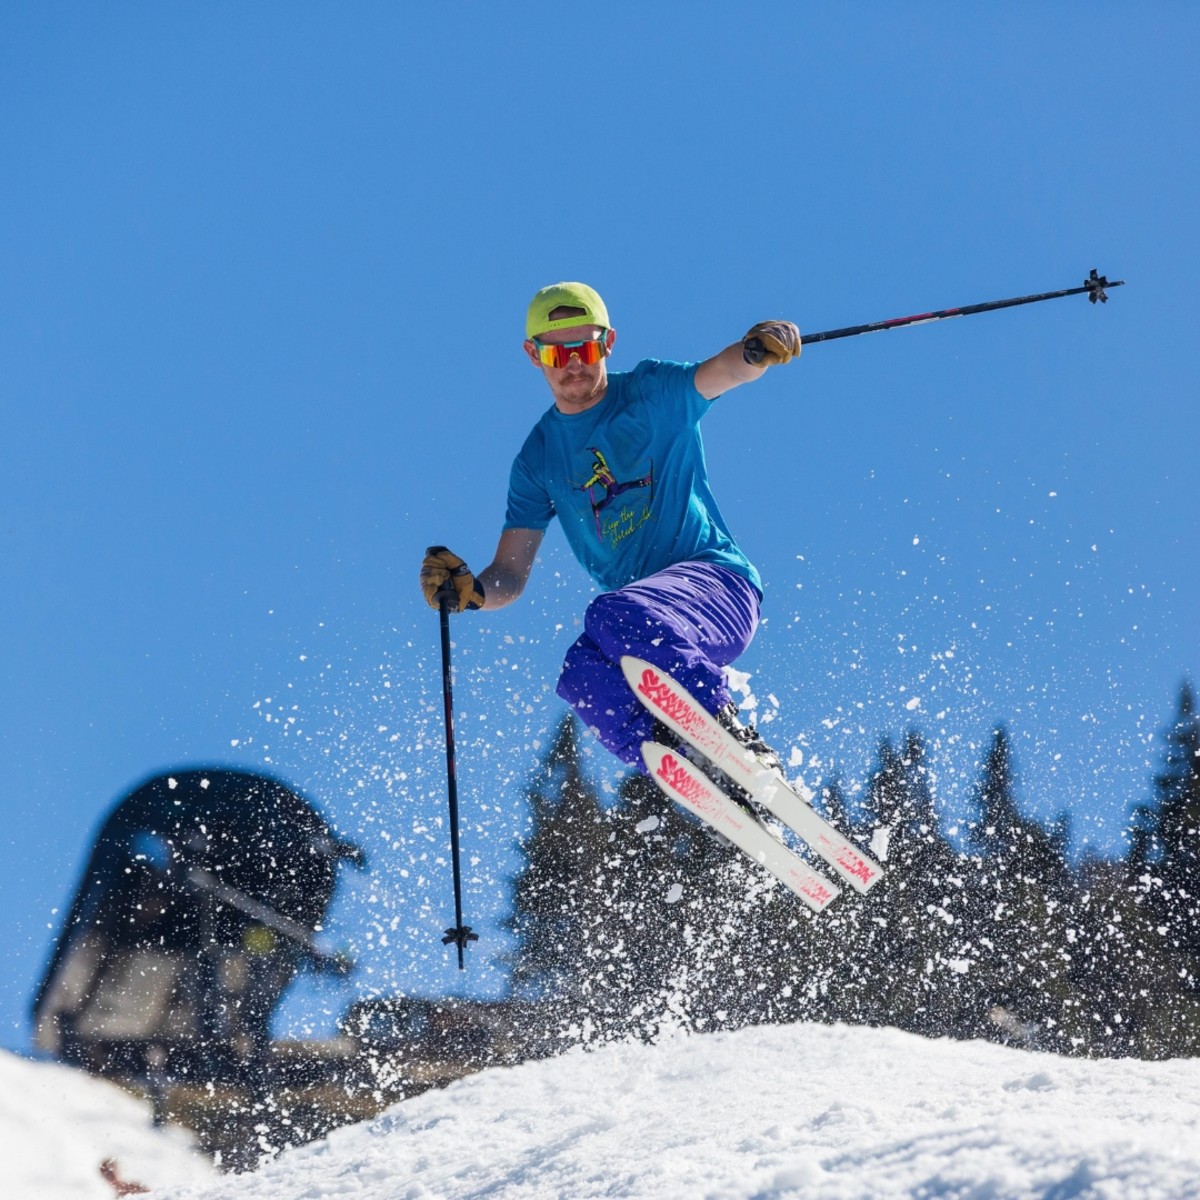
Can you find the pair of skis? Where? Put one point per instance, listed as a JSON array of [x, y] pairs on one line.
[[688, 785]]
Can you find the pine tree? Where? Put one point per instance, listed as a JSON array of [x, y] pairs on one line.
[[625, 961], [697, 931], [1129, 999], [1164, 869], [908, 934], [556, 895], [867, 937], [1176, 828], [617, 910], [1023, 898]]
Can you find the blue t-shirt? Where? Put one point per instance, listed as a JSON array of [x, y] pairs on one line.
[[628, 479]]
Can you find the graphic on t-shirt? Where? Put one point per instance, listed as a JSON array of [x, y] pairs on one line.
[[613, 525]]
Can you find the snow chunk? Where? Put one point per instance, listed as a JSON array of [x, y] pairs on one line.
[[739, 681]]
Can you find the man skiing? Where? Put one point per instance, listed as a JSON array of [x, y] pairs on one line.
[[619, 460]]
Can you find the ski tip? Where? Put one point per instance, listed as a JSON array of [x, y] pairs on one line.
[[653, 753], [632, 668]]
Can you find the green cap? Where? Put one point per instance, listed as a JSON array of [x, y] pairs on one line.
[[564, 295]]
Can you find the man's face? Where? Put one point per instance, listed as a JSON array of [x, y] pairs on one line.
[[575, 387]]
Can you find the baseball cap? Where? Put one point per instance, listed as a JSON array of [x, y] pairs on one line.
[[564, 295]]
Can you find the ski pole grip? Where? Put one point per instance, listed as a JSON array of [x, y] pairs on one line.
[[753, 351], [446, 595]]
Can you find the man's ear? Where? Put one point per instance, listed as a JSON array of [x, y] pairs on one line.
[[531, 351], [609, 338]]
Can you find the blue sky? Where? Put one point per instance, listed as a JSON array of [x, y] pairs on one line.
[[262, 284]]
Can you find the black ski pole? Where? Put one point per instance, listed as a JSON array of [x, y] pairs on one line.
[[459, 933], [1095, 286]]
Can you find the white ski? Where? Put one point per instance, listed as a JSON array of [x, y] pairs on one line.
[[686, 717], [688, 786]]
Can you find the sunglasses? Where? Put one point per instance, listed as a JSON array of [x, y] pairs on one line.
[[558, 354]]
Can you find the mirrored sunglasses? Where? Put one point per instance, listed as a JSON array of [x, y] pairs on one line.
[[558, 354]]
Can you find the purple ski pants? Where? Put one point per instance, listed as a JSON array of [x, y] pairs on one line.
[[691, 620]]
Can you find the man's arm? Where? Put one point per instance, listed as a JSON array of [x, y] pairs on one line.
[[780, 343], [717, 375], [504, 578]]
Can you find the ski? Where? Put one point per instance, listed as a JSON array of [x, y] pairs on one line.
[[680, 712], [689, 787]]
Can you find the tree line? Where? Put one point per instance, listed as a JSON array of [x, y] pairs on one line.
[[630, 918]]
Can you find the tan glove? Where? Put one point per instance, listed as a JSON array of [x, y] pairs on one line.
[[440, 567], [770, 343]]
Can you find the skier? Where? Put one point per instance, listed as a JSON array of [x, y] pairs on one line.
[[619, 460]]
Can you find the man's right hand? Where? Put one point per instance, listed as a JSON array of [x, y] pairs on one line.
[[440, 566]]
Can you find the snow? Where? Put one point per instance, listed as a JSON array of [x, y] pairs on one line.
[[57, 1125], [823, 1112], [826, 1113]]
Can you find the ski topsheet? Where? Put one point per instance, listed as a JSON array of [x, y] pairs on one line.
[[688, 786], [686, 717]]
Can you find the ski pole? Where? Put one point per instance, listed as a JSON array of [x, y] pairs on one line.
[[1095, 286], [459, 933]]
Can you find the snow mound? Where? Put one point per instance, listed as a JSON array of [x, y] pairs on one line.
[[826, 1113], [57, 1125]]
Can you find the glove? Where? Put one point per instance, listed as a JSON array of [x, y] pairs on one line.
[[439, 566], [770, 343]]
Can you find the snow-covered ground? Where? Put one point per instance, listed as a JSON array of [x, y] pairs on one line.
[[812, 1111], [58, 1125], [806, 1111]]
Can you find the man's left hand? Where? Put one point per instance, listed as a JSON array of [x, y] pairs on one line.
[[775, 342]]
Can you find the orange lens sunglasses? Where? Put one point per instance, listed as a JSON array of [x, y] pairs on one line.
[[558, 354]]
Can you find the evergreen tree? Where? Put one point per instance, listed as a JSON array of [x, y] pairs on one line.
[[910, 929], [1164, 869], [648, 854], [555, 897], [1129, 996], [621, 914], [1021, 910], [702, 931], [1173, 847], [867, 939]]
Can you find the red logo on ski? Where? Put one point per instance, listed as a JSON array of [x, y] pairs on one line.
[[688, 715], [814, 889], [687, 786], [855, 865]]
